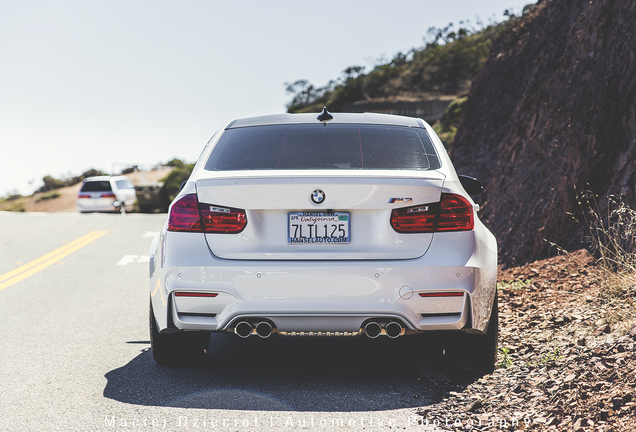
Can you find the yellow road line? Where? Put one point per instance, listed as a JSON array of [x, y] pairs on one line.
[[45, 257], [39, 264]]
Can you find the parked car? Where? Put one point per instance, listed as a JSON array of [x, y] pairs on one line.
[[106, 194], [338, 225]]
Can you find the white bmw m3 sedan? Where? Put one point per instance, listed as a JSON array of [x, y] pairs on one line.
[[344, 225]]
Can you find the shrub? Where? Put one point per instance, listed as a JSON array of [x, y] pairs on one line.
[[16, 205], [447, 126], [11, 197], [504, 358], [49, 196], [51, 183], [180, 172], [552, 357], [514, 285]]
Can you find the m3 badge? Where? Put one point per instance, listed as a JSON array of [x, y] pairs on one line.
[[400, 200]]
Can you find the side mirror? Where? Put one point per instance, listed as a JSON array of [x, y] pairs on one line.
[[471, 185]]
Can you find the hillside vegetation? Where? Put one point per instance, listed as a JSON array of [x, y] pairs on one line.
[[180, 172], [446, 65]]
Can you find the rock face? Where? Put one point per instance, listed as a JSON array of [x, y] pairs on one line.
[[552, 113]]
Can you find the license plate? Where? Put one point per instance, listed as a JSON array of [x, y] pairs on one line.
[[315, 227]]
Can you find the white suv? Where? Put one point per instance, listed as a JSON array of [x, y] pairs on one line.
[[106, 194]]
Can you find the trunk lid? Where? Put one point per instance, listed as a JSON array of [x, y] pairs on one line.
[[363, 200]]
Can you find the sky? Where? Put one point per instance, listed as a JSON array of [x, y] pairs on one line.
[[108, 84]]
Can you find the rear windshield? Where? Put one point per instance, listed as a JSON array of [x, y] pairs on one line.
[[334, 146], [96, 186]]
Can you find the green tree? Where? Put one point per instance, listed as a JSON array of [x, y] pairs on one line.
[[446, 127], [180, 172]]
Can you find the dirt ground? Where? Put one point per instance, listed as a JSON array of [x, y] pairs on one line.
[[565, 362]]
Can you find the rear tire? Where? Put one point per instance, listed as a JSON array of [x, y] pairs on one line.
[[170, 349], [483, 348], [459, 350]]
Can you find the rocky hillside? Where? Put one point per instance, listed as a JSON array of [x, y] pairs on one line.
[[552, 113]]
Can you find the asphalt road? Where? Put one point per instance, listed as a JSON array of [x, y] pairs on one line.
[[75, 352]]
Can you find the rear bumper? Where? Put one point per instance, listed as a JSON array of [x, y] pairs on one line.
[[325, 296], [96, 205]]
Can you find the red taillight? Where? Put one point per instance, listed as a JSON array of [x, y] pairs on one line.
[[452, 213], [418, 219], [223, 220], [442, 294], [84, 196], [184, 215], [108, 195], [195, 294], [456, 214]]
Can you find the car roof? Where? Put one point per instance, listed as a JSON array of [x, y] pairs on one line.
[[342, 118], [97, 178], [104, 178]]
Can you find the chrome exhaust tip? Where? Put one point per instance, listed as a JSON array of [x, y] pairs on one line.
[[264, 329], [394, 329], [372, 329], [243, 329]]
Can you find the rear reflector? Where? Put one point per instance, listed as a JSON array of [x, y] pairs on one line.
[[452, 213], [186, 215], [195, 294], [442, 294]]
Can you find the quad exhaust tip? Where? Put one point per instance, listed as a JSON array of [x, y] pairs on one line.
[[243, 329], [393, 329], [372, 329], [264, 329]]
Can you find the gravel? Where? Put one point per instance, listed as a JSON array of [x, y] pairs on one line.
[[562, 365]]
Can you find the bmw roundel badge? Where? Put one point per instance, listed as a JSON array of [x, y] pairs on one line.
[[318, 196]]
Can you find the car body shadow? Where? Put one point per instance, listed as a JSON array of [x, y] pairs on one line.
[[293, 374]]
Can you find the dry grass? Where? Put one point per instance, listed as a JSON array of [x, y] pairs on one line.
[[611, 238]]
